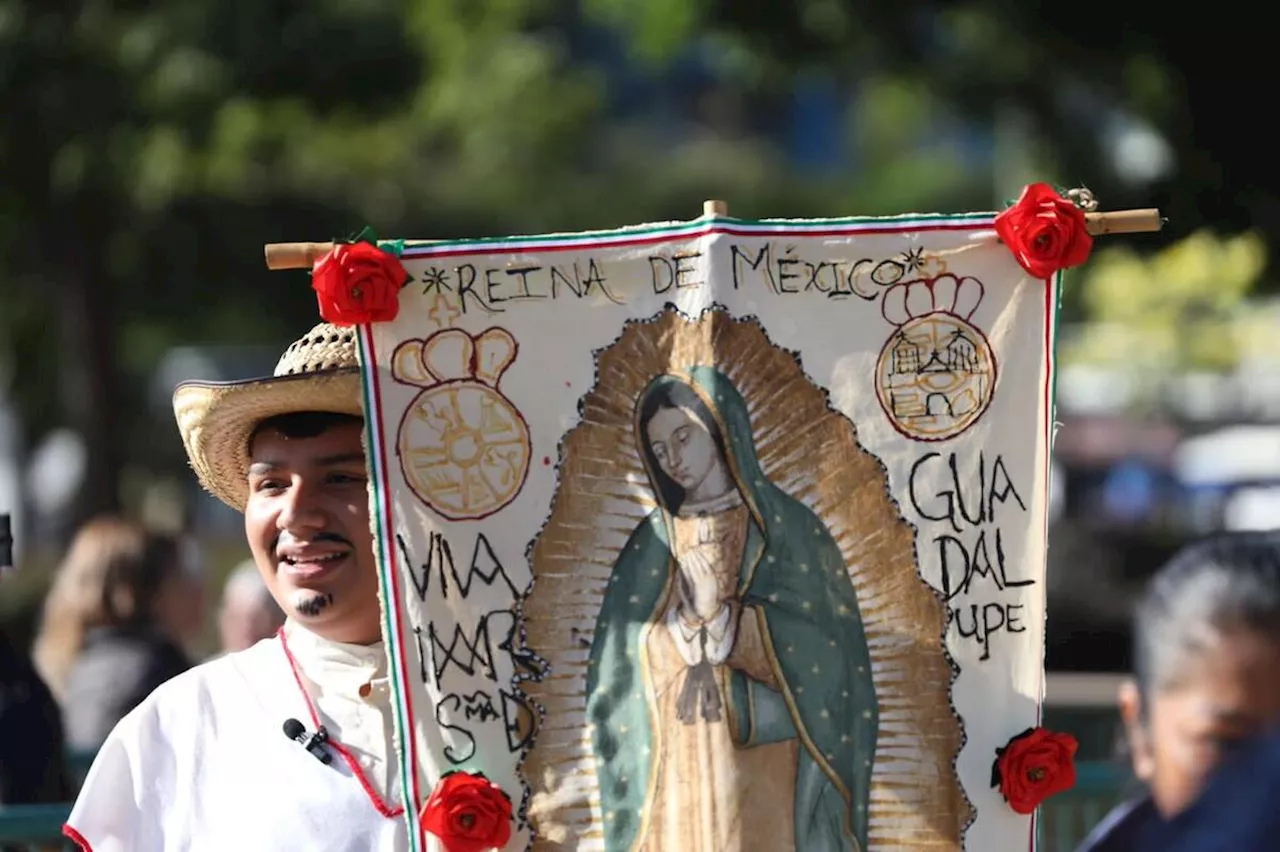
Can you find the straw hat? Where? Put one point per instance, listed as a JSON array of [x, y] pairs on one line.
[[318, 372]]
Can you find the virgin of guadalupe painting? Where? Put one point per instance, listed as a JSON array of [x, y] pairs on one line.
[[729, 680]]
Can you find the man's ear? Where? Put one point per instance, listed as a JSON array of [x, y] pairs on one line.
[[1132, 712]]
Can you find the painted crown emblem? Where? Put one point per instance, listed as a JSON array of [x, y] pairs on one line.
[[946, 293], [453, 355], [464, 447]]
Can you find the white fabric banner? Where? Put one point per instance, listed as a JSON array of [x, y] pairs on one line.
[[718, 535]]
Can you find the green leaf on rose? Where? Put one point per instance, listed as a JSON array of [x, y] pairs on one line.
[[395, 247]]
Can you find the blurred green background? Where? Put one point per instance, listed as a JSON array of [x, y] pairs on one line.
[[151, 149]]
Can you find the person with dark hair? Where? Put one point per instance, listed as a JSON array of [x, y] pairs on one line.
[[1206, 658], [215, 758]]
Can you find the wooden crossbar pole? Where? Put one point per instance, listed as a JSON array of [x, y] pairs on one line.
[[295, 255], [1146, 220], [1141, 221]]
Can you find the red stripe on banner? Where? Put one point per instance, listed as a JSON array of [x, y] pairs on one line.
[[1050, 308], [388, 533], [506, 247]]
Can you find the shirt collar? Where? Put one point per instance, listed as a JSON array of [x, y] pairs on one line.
[[335, 666]]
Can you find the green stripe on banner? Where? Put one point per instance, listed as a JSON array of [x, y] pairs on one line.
[[381, 508], [677, 229], [1053, 348], [373, 433]]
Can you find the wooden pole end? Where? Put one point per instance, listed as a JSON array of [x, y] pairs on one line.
[[1141, 221], [715, 207], [295, 255]]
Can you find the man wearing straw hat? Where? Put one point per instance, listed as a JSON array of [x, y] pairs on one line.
[[231, 754]]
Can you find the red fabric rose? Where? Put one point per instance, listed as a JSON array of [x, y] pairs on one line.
[[468, 812], [1045, 231], [358, 283], [1035, 765]]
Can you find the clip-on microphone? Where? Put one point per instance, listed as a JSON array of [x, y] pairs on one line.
[[314, 743]]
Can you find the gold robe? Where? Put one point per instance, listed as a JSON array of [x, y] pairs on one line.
[[710, 795]]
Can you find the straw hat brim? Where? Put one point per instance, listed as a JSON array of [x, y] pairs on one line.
[[216, 419]]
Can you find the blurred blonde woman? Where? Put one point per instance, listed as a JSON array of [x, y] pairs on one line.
[[107, 636]]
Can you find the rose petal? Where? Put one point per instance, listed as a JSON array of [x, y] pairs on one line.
[[467, 812], [1034, 766], [1044, 231], [358, 283], [1042, 239]]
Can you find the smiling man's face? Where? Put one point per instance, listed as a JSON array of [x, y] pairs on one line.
[[307, 523]]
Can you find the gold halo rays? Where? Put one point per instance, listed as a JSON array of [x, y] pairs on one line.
[[812, 453]]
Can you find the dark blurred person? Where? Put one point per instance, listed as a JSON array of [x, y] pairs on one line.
[[32, 769], [1238, 811], [108, 635], [1206, 658]]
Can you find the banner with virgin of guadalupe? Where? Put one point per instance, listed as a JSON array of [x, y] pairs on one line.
[[717, 535]]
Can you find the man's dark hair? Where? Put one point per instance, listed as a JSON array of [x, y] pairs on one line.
[[304, 424]]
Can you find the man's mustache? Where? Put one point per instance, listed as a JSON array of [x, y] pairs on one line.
[[318, 537]]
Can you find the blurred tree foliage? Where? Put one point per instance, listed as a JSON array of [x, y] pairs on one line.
[[150, 149], [1183, 308]]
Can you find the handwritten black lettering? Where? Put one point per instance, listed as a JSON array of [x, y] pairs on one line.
[[445, 723], [888, 272], [525, 660], [972, 561], [435, 280], [1006, 489], [491, 289], [815, 282], [663, 272], [559, 279], [490, 285], [1014, 611], [596, 278], [949, 503], [985, 620], [423, 672], [522, 286], [785, 264], [439, 554], [476, 652], [686, 269], [466, 275], [479, 705], [761, 259], [475, 655], [915, 498], [678, 271], [518, 718], [855, 277], [484, 564], [970, 548], [789, 272]]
